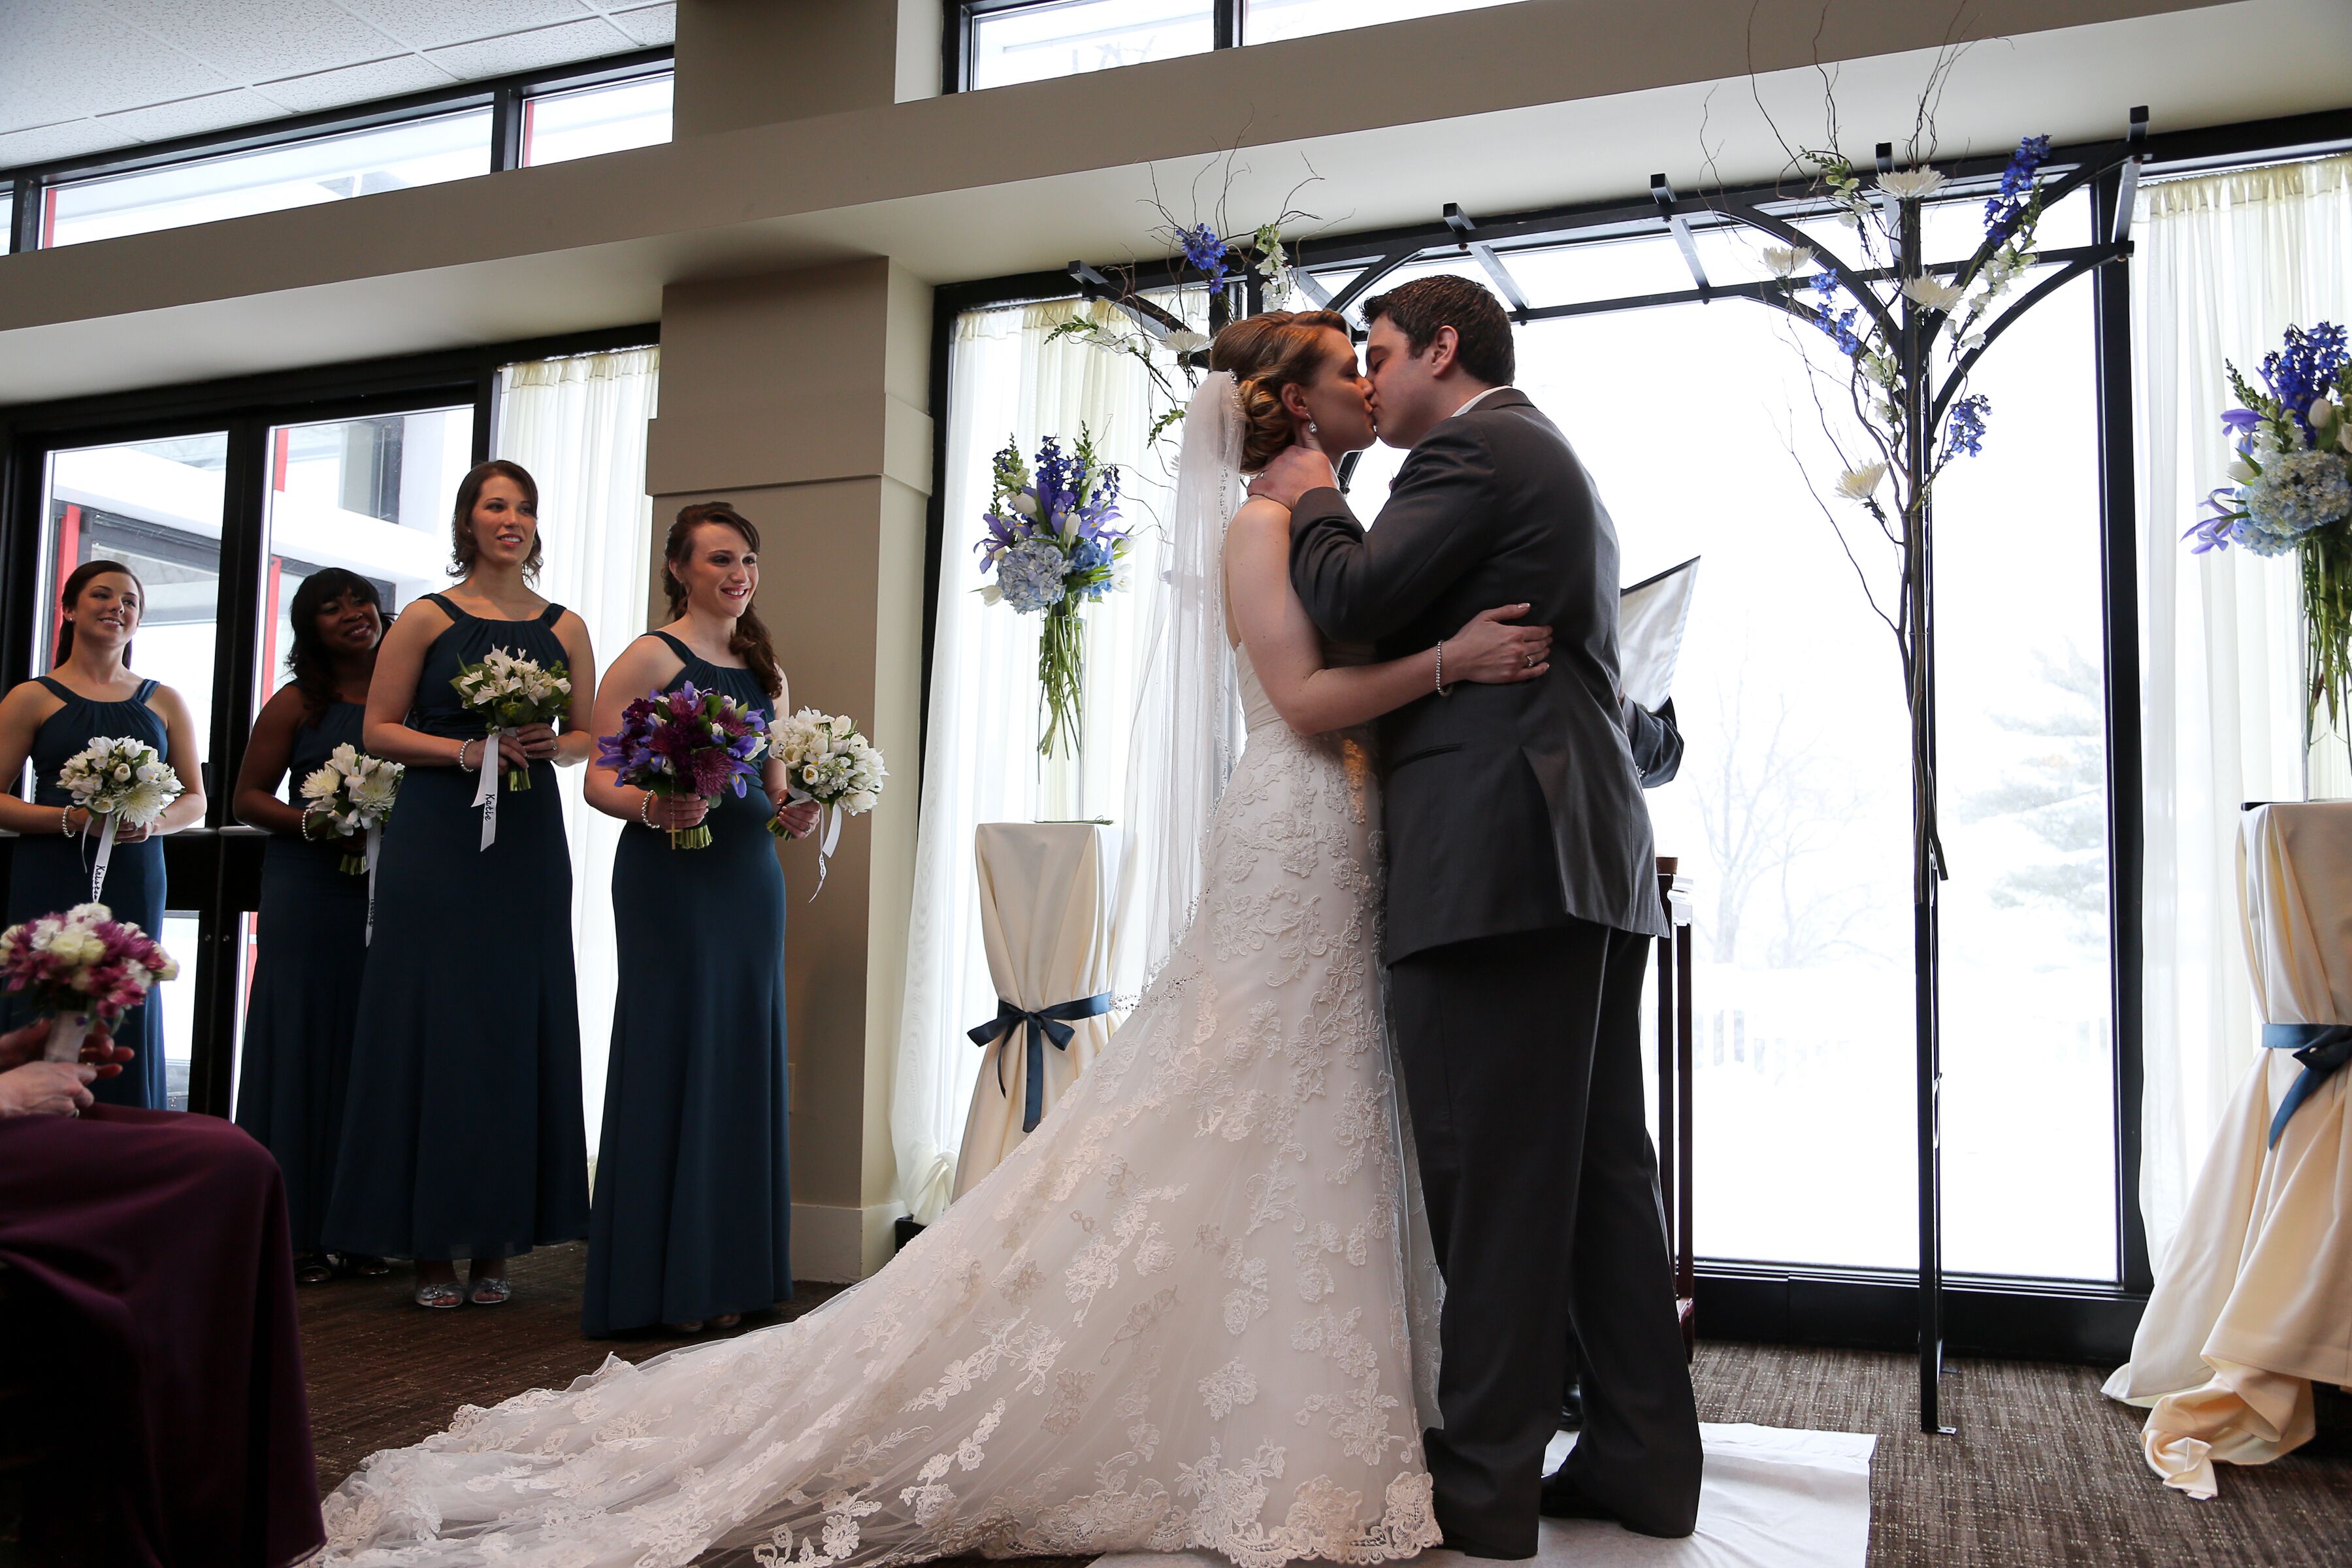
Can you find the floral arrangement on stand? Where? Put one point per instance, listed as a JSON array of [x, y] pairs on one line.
[[80, 965], [1049, 541], [686, 742], [829, 761], [119, 781], [2290, 491], [510, 691]]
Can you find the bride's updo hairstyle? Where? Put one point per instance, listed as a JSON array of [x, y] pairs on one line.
[[1268, 352]]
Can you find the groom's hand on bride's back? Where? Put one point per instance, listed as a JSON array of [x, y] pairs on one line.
[[1294, 472], [1493, 650]]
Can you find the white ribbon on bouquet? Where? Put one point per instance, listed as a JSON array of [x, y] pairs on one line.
[[486, 793], [375, 842], [829, 820], [105, 857]]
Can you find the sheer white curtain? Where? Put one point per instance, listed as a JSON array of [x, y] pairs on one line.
[[2224, 265], [979, 761], [579, 426]]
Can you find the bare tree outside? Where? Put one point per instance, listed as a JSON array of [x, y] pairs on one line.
[[2058, 794]]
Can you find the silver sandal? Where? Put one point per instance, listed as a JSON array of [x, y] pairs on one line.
[[439, 1298], [490, 1291]]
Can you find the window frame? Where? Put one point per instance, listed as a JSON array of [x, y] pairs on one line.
[[215, 867], [503, 96], [957, 36], [1862, 1308]]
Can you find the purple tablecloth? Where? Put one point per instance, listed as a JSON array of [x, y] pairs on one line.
[[162, 1236]]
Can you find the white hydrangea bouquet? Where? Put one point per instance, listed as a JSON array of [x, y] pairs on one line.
[[119, 781], [80, 964], [355, 793], [510, 691], [827, 761]]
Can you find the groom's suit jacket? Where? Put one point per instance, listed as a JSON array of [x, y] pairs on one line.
[[1513, 807]]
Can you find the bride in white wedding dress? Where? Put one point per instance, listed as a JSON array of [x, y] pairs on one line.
[[1186, 1312]]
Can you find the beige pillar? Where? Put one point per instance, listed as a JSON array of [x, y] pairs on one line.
[[799, 397], [755, 62]]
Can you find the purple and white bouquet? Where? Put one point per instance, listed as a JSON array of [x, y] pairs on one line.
[[510, 691], [686, 742], [79, 965], [2290, 490], [1051, 543]]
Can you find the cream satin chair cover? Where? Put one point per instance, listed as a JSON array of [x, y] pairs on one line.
[[1047, 894], [2253, 1303]]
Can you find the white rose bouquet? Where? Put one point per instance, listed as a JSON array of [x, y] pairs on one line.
[[119, 780], [827, 761], [355, 793], [510, 691]]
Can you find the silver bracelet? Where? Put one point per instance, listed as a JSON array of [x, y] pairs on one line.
[[1441, 669], [646, 809]]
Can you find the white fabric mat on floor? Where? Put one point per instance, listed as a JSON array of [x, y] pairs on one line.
[[1772, 1498]]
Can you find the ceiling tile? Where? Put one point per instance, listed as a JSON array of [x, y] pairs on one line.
[[430, 24], [188, 116], [63, 62], [254, 41], [49, 143], [649, 25], [356, 84], [583, 40]]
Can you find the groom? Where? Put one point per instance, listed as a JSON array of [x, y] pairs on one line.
[[1522, 896]]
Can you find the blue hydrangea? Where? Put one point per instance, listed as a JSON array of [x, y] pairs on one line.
[[1030, 575], [2297, 492]]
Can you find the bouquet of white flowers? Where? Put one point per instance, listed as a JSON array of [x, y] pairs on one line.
[[828, 761], [354, 792], [119, 780], [510, 691]]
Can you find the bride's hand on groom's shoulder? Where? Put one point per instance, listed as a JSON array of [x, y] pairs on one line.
[[1493, 650], [1294, 472]]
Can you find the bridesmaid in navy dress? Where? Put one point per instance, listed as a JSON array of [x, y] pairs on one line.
[[305, 1001], [463, 1135], [693, 1192], [89, 692]]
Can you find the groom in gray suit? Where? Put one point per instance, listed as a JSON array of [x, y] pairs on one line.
[[1522, 896]]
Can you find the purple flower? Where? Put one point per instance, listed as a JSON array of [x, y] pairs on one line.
[[2004, 211], [2304, 371], [1964, 434], [1205, 252]]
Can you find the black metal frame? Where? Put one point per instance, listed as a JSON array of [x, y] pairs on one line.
[[214, 869], [503, 96], [2088, 1321]]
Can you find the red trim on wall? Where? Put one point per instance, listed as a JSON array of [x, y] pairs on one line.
[[269, 675], [282, 443]]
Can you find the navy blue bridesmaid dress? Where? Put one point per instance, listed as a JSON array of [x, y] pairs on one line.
[[694, 1205], [305, 1000], [49, 873], [462, 1132]]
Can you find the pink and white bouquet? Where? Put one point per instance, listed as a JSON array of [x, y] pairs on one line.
[[686, 742], [119, 781], [355, 793], [510, 691], [79, 965]]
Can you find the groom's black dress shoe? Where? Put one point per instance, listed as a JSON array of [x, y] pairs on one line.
[[1563, 1498]]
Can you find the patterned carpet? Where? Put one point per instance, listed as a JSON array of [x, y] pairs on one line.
[[2044, 1469]]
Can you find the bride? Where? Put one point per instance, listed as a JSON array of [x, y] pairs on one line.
[[1186, 1312]]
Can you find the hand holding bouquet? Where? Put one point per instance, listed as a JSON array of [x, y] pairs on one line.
[[354, 792], [122, 781], [828, 761], [686, 743], [509, 692], [77, 965]]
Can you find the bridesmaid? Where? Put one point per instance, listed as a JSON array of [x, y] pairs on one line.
[[91, 691], [463, 1136], [693, 1197], [305, 1000]]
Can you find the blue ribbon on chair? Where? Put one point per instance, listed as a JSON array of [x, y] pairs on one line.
[[1045, 1023], [2320, 1048]]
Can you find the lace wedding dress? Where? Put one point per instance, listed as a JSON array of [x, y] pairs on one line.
[[1184, 1313]]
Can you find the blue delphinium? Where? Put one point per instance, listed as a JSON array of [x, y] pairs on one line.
[[2004, 211], [1205, 252], [1964, 435], [2304, 371], [1838, 324]]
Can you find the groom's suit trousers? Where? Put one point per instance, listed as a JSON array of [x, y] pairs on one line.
[[1523, 1073]]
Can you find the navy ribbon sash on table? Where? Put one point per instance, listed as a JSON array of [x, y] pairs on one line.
[[2321, 1048], [1045, 1023]]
